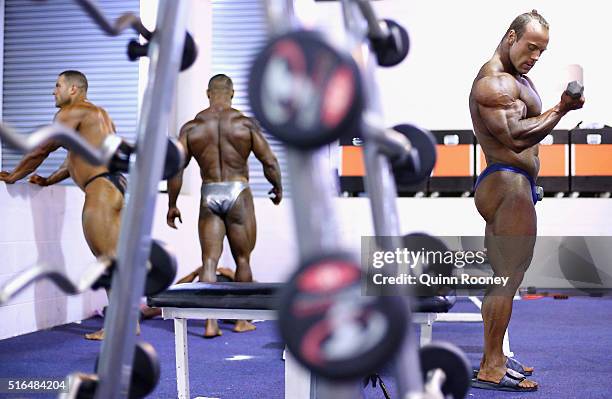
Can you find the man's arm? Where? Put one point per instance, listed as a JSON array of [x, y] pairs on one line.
[[60, 174], [263, 152], [29, 163], [502, 112], [175, 183]]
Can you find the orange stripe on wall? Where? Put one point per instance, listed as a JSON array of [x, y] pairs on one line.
[[593, 160], [552, 160], [453, 160], [352, 161]]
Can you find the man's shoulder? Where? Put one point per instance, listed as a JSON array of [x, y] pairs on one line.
[[203, 113], [78, 110], [495, 88], [191, 125]]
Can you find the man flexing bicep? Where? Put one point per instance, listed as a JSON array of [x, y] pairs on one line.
[[504, 114], [508, 121]]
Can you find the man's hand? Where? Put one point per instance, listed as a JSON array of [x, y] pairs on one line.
[[39, 180], [276, 195], [6, 177], [173, 213], [568, 103]]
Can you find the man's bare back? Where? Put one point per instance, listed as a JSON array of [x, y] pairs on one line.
[[221, 142], [94, 125], [221, 139]]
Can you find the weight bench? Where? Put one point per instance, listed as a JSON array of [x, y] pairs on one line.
[[257, 301]]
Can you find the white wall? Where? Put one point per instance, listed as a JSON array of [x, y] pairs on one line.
[[275, 253], [451, 40], [44, 224]]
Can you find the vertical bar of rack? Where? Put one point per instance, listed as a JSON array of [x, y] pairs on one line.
[[165, 52]]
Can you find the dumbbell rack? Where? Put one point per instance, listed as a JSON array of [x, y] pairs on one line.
[[313, 189], [165, 52], [128, 280], [379, 147]]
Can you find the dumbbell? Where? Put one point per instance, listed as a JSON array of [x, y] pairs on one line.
[[446, 370], [136, 50], [160, 274], [394, 47], [418, 166], [145, 376], [330, 327], [574, 89], [305, 92], [121, 152], [434, 266]]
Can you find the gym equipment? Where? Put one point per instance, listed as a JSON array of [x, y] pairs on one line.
[[144, 378], [574, 89], [136, 50], [161, 271], [145, 172], [304, 91], [391, 48], [415, 242], [330, 327], [114, 152], [381, 189], [445, 369], [309, 305], [418, 166], [122, 151]]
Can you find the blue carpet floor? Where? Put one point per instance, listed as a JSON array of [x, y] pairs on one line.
[[569, 342]]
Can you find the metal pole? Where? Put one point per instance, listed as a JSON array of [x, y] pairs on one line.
[[382, 190], [165, 52], [312, 193]]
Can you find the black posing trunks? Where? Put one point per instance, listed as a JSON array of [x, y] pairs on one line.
[[116, 178]]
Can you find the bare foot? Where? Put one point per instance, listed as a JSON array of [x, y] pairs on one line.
[[243, 326], [96, 336], [212, 329], [149, 312], [99, 335]]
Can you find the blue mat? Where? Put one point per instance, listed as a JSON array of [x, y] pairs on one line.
[[569, 342]]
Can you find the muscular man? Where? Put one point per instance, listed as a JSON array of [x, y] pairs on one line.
[[509, 123], [220, 138], [103, 190]]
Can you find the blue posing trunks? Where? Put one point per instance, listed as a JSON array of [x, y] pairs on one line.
[[536, 192]]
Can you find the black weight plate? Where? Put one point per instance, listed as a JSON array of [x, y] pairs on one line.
[[394, 50], [453, 362], [330, 328], [425, 145], [163, 269], [303, 91], [433, 264]]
